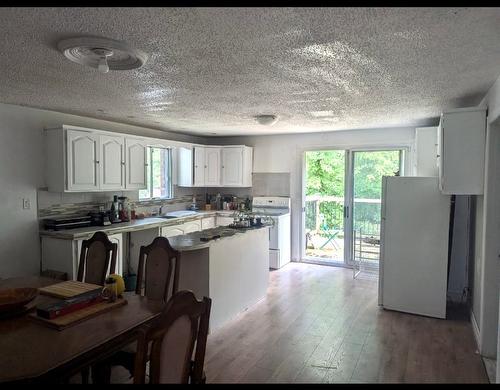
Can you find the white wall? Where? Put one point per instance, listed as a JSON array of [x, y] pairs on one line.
[[284, 153], [486, 305], [22, 170]]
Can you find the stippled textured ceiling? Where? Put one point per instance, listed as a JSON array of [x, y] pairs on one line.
[[211, 70]]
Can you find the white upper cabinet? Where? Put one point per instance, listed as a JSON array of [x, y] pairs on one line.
[[199, 166], [215, 166], [136, 163], [237, 166], [232, 166], [82, 160], [212, 166], [461, 151], [112, 163]]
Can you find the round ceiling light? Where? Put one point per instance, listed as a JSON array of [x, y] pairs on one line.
[[102, 53], [267, 120]]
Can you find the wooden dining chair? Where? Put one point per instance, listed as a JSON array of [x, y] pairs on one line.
[[158, 261], [182, 324], [95, 257]]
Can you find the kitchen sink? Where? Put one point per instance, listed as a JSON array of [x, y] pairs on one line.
[[167, 216]]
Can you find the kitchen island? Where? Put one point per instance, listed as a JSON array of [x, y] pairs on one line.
[[232, 270]]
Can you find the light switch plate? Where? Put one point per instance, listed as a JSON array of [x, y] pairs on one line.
[[26, 203]]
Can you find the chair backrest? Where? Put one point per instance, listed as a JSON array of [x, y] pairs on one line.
[[95, 257], [182, 324], [156, 263]]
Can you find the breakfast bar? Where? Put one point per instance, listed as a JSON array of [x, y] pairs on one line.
[[232, 270]]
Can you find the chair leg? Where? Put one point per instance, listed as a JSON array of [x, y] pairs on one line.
[[85, 375], [101, 373]]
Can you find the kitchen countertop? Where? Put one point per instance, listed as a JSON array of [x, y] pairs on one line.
[[135, 225], [192, 241]]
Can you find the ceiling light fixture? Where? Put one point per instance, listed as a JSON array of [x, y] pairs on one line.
[[266, 119], [102, 54]]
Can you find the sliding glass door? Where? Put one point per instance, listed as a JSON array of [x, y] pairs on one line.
[[342, 203], [324, 206], [368, 167]]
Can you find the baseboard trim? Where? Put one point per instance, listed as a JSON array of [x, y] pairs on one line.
[[476, 331]]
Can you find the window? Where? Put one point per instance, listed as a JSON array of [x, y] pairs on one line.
[[159, 172]]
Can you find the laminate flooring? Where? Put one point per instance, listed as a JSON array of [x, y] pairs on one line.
[[319, 325]]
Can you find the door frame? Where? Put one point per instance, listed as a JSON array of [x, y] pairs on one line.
[[408, 170]]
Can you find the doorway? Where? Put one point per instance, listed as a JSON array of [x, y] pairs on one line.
[[342, 204]]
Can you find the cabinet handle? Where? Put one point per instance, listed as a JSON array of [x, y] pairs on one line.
[[123, 162], [206, 166], [97, 161]]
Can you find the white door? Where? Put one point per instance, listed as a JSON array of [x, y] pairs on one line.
[[82, 161], [199, 166], [213, 166], [171, 232], [232, 166], [136, 165], [112, 163]]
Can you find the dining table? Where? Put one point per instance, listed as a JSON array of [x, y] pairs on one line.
[[34, 352]]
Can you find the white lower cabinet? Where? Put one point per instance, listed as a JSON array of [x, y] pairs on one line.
[[193, 226], [171, 231], [64, 255], [184, 228], [207, 223], [224, 221]]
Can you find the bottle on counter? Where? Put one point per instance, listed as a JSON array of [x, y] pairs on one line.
[[218, 201]]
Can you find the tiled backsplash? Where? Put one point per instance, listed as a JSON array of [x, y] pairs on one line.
[[54, 204]]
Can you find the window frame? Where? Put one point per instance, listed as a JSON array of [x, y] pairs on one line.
[[150, 175]]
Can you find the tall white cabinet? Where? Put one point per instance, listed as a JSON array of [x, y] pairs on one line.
[[461, 151]]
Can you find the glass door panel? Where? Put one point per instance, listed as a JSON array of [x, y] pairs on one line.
[[324, 206], [368, 167]]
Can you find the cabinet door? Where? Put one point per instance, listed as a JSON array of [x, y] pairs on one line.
[[135, 160], [213, 166], [207, 223], [118, 240], [232, 166], [224, 221], [185, 167], [189, 227], [82, 161], [199, 166], [112, 163], [171, 231]]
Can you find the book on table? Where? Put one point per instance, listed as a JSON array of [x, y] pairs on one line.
[[65, 306]]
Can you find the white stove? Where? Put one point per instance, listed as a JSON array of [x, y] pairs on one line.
[[277, 208]]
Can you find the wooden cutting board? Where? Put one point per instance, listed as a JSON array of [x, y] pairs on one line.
[[68, 289], [78, 316]]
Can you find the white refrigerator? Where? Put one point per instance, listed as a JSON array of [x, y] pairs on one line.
[[414, 246]]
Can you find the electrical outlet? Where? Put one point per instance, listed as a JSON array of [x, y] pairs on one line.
[[26, 203]]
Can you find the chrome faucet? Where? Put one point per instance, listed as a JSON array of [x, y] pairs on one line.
[[160, 210]]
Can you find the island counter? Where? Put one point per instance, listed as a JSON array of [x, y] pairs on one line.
[[232, 270]]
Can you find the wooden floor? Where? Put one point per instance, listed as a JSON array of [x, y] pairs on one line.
[[317, 324]]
